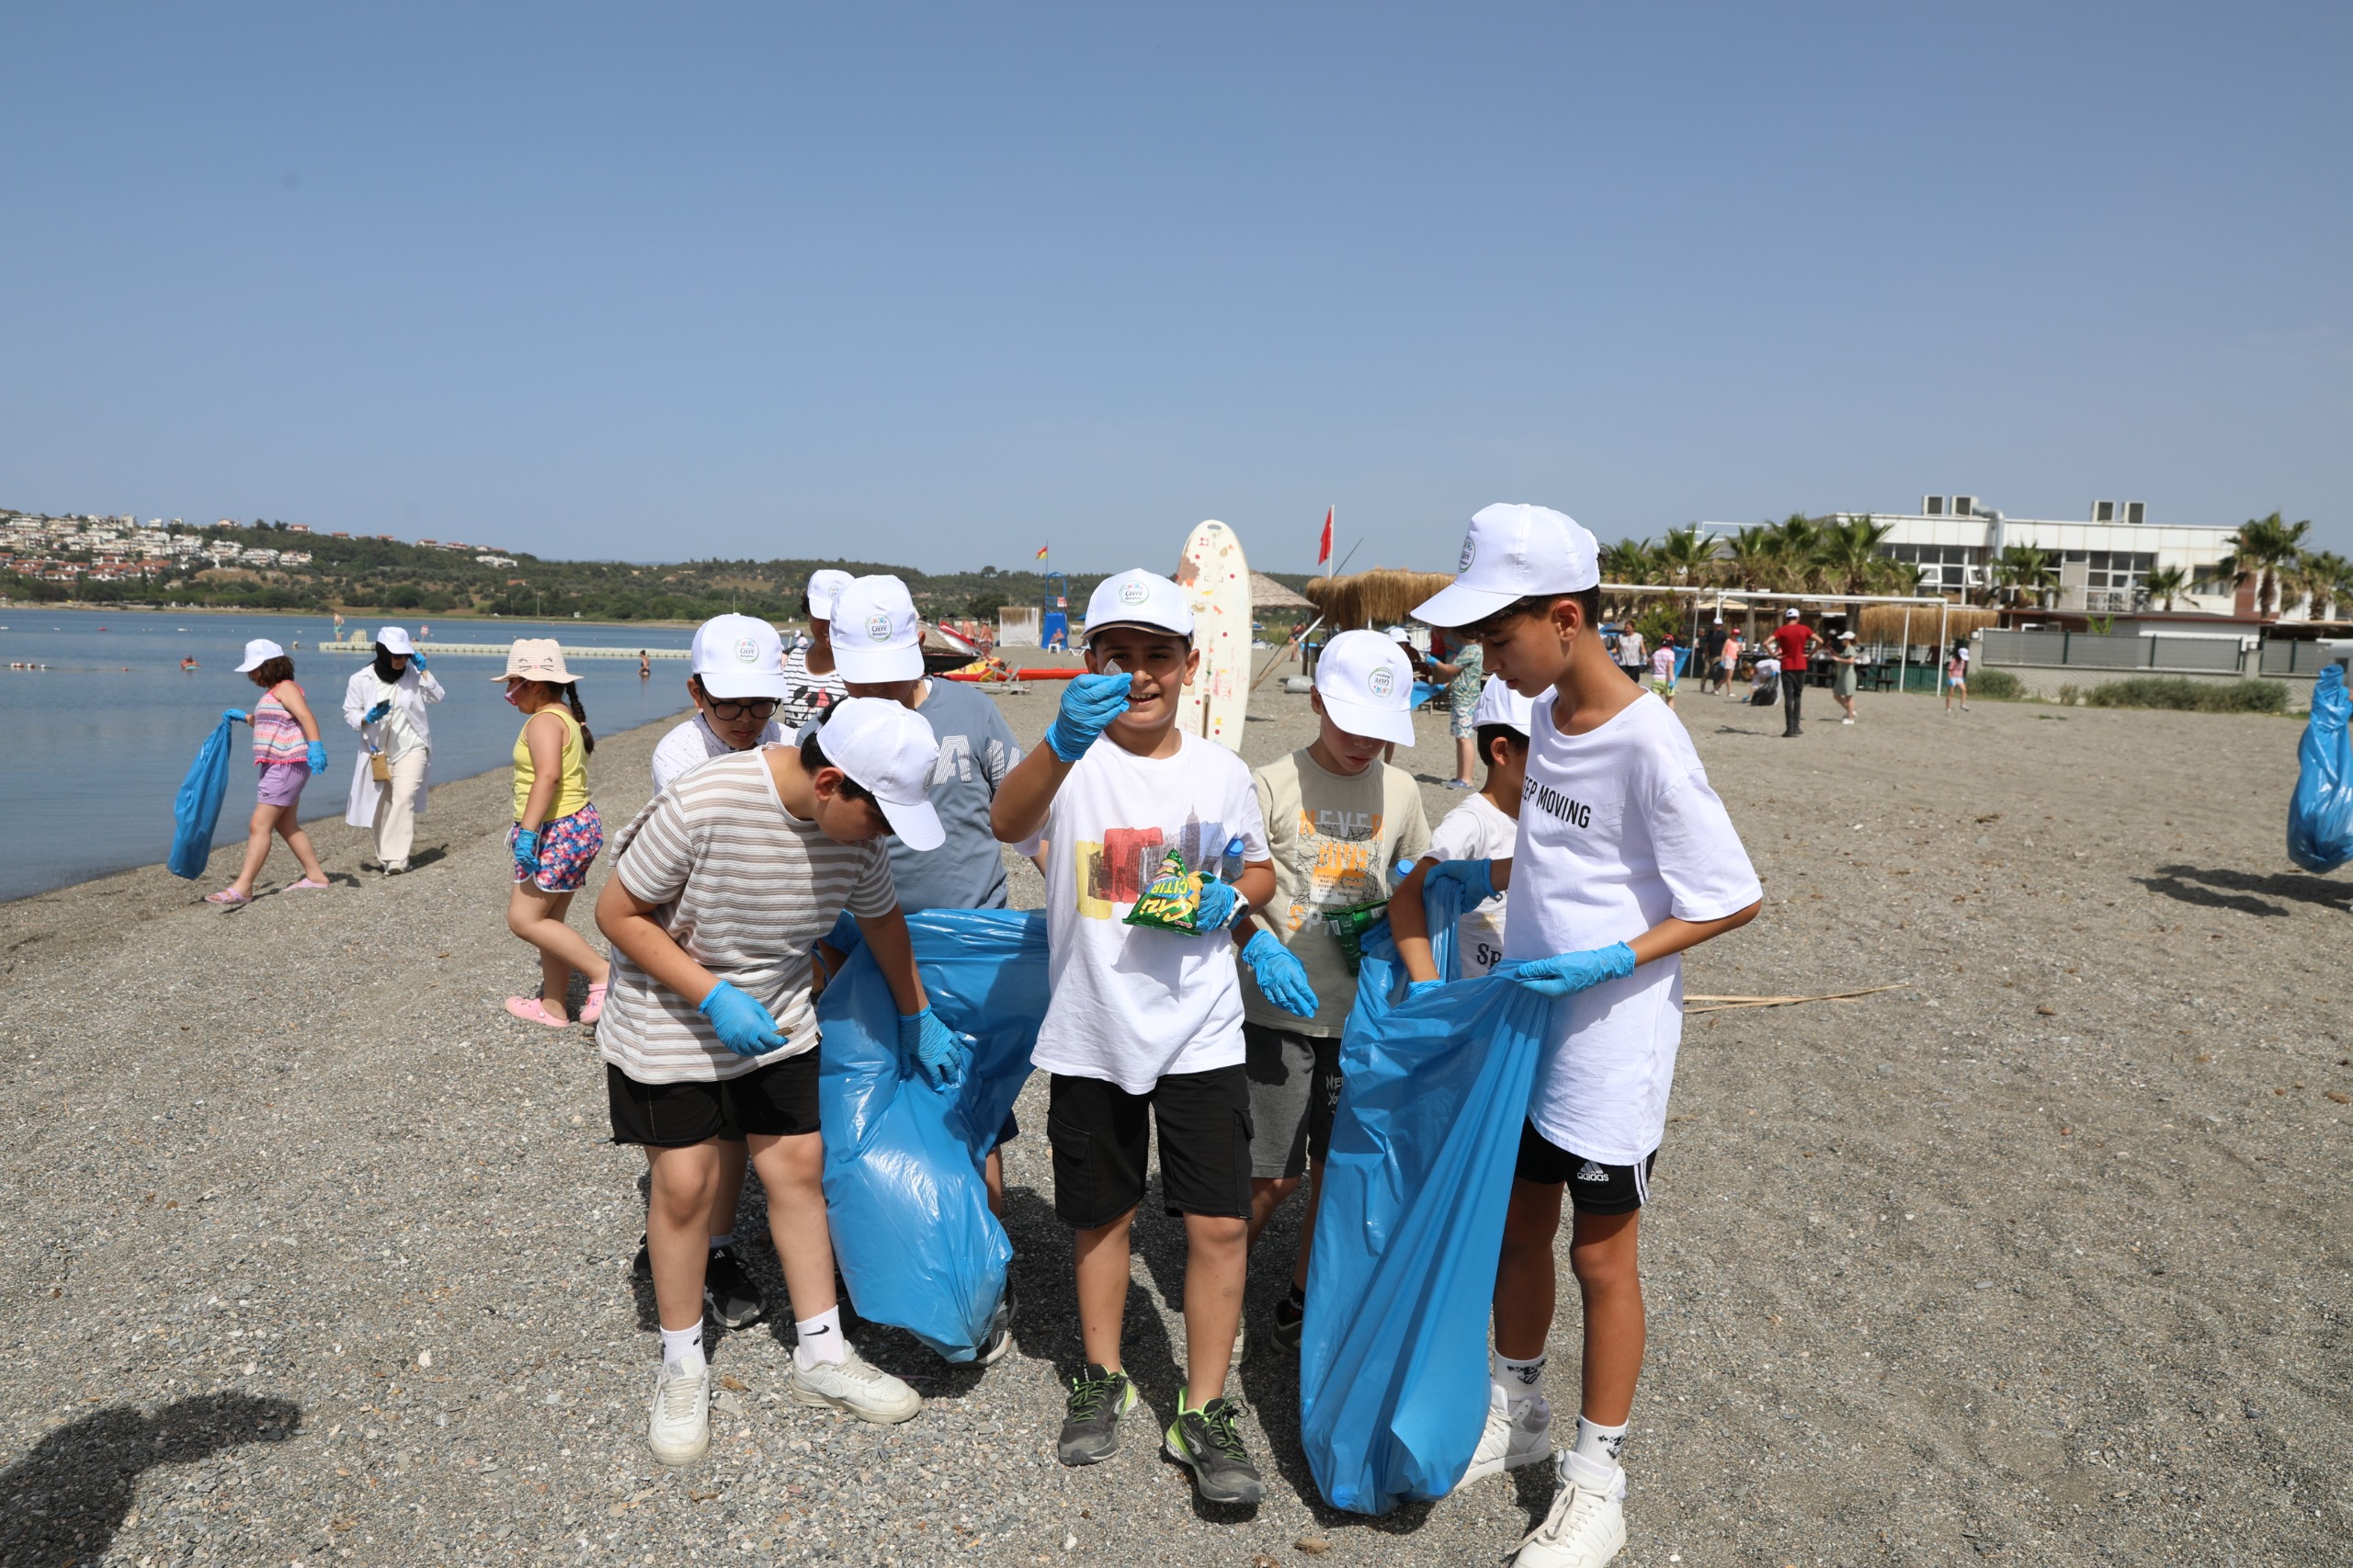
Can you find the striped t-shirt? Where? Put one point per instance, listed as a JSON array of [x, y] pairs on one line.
[[278, 738], [746, 888]]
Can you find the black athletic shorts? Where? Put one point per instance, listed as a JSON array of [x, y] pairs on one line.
[[1101, 1140], [777, 1100], [1594, 1188]]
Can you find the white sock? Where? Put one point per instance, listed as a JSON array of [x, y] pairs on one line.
[[1520, 1380], [818, 1340], [683, 1348], [1600, 1445], [726, 1239]]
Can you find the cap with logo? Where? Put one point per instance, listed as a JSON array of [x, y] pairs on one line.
[[1139, 598], [1790, 614], [739, 657], [536, 658], [1499, 704], [394, 640], [1512, 553], [260, 651], [890, 749], [823, 586], [877, 637], [1366, 687]]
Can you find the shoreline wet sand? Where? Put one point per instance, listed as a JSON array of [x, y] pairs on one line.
[[316, 1255]]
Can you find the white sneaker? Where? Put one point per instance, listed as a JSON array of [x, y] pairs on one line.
[[678, 1431], [1585, 1528], [1513, 1438], [857, 1385], [1241, 1340]]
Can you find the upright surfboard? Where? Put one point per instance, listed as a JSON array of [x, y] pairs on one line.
[[1216, 580]]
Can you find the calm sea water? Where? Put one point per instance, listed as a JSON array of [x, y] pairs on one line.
[[95, 746]]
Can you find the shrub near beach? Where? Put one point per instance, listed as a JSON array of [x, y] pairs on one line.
[[2191, 696]]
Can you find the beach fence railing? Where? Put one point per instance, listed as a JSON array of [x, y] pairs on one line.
[[434, 648]]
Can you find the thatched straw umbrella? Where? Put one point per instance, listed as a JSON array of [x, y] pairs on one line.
[[1266, 594], [1381, 597], [1885, 623]]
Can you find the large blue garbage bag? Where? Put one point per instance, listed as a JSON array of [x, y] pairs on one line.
[[197, 809], [1392, 1368], [2320, 813], [911, 1221]]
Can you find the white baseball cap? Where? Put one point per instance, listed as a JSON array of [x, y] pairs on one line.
[[260, 651], [1366, 687], [890, 749], [1511, 552], [1790, 614], [1499, 704], [876, 636], [1139, 598], [823, 586], [394, 640], [739, 657]]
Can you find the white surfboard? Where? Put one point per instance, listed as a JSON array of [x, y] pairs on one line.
[[1216, 580]]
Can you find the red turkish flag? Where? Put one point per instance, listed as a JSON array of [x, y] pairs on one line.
[[1323, 551]]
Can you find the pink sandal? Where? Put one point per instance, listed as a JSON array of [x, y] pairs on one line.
[[594, 1007], [307, 885], [532, 1010], [229, 896]]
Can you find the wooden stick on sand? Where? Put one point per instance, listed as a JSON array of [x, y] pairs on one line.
[[1727, 1003]]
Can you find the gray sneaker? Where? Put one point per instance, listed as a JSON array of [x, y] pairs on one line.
[[859, 1386], [1091, 1427], [1205, 1440]]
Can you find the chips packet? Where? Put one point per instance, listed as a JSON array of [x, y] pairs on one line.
[[1173, 902], [1348, 925]]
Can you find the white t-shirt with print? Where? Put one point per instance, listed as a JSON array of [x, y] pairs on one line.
[[1131, 1004], [695, 741], [1476, 830], [1618, 829]]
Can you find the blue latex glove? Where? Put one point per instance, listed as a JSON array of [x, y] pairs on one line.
[[318, 757], [742, 1025], [1565, 974], [1477, 877], [377, 713], [1089, 704], [935, 1047], [1281, 977], [1218, 903], [417, 659], [239, 714], [527, 850]]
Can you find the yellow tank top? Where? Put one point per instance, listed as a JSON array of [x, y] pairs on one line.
[[572, 786]]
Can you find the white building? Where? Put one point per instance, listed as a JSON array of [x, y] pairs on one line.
[[2103, 565]]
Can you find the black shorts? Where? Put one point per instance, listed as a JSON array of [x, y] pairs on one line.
[[778, 1100], [1101, 1140], [1594, 1188]]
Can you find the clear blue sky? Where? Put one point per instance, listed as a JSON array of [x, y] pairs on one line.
[[940, 284]]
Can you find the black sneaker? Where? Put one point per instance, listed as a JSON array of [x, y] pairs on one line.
[[1289, 1319], [1091, 1430], [641, 1265], [729, 1297], [1206, 1441]]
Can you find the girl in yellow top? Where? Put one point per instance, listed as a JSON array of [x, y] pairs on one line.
[[556, 832]]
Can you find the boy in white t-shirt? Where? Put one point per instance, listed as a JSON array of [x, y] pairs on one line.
[[1624, 857], [1480, 828], [1144, 1025]]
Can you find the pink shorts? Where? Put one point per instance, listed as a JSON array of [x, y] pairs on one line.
[[567, 844], [281, 782]]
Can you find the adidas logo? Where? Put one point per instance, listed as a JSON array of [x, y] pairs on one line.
[[1591, 1172]]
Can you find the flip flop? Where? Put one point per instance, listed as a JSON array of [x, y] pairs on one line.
[[307, 885], [532, 1010], [228, 896], [594, 1007]]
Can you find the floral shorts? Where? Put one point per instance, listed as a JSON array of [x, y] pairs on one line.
[[567, 844]]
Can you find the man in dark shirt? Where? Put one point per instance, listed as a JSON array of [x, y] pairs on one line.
[[1793, 639], [1711, 655]]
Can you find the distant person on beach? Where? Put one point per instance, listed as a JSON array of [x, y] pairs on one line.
[[1711, 654], [286, 751], [811, 684], [720, 888], [1957, 676], [1766, 687], [1633, 654], [1792, 640], [1727, 664], [188, 663], [386, 702], [1463, 668], [1844, 659], [644, 665], [1663, 679], [556, 834]]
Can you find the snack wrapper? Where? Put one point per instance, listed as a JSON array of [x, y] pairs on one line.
[[1173, 902], [1348, 925]]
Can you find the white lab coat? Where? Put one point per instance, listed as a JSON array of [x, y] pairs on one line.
[[410, 695]]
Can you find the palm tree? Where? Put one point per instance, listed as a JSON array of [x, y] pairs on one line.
[[2166, 582], [1627, 561], [1684, 555], [1751, 558], [2262, 549], [2022, 569], [1848, 550], [2318, 577]]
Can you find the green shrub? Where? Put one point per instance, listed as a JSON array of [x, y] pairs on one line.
[[2192, 695], [1999, 684]]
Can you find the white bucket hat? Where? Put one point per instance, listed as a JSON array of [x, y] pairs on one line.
[[1366, 687], [890, 750], [878, 638], [536, 658]]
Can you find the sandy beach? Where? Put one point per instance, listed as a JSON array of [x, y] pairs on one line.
[[315, 1255]]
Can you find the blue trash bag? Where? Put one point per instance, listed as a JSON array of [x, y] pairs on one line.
[[910, 1214], [2320, 813], [1393, 1366], [1424, 691], [197, 809]]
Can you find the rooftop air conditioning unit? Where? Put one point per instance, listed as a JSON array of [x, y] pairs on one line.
[[1932, 505], [1964, 506], [2103, 511], [2136, 512]]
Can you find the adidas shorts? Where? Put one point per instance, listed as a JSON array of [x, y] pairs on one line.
[[1594, 1188]]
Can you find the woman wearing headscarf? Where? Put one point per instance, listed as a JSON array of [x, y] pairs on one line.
[[386, 702]]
